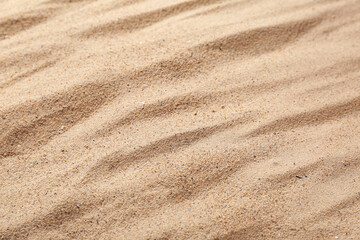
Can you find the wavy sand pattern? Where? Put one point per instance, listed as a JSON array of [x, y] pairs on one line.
[[198, 119]]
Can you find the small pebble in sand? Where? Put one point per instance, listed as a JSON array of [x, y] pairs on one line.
[[4, 118]]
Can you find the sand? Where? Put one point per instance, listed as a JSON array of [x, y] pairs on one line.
[[197, 119]]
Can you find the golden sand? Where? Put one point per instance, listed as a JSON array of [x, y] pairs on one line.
[[198, 119]]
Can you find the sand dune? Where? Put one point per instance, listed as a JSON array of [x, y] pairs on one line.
[[198, 119]]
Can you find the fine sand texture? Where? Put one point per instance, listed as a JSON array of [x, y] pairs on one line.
[[182, 119]]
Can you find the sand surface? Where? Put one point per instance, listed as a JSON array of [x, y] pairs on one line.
[[198, 119]]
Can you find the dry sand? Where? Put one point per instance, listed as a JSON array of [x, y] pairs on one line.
[[198, 119]]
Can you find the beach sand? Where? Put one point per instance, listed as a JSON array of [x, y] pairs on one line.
[[198, 119]]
